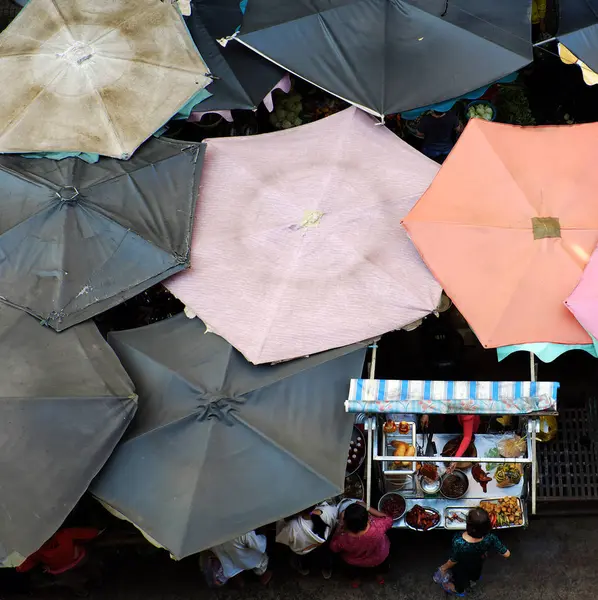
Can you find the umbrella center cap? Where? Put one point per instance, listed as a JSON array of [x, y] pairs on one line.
[[214, 406], [546, 227], [68, 194], [78, 53]]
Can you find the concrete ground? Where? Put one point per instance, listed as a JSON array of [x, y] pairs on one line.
[[553, 559]]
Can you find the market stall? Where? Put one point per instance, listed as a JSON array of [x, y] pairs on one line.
[[424, 485]]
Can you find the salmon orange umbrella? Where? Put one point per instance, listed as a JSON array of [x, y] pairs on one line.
[[509, 224]]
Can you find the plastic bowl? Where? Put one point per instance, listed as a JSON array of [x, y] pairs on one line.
[[484, 103]]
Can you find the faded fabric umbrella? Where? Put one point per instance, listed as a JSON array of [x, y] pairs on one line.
[[65, 401], [508, 226], [298, 248], [241, 77], [389, 56], [220, 446], [95, 77], [77, 239], [583, 301]]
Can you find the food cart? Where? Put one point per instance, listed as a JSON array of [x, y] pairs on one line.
[[509, 482]]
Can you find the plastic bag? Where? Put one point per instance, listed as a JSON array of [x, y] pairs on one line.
[[441, 578], [548, 429], [512, 446], [211, 569]]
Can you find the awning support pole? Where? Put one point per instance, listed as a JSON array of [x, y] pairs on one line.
[[369, 422], [533, 426]]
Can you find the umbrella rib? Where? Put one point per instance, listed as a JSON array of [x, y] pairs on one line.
[[151, 64], [64, 21]]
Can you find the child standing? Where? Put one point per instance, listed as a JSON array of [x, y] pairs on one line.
[[469, 550]]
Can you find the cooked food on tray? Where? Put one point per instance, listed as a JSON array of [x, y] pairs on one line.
[[512, 447], [455, 516], [392, 505], [422, 518], [480, 476], [402, 449], [504, 512], [429, 471]]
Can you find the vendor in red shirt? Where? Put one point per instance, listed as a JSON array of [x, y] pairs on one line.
[[470, 424], [62, 552]]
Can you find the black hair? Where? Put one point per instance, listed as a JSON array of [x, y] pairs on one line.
[[478, 523], [318, 526], [356, 518]]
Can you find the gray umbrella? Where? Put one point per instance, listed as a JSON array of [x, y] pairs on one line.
[[220, 446], [77, 239], [65, 401]]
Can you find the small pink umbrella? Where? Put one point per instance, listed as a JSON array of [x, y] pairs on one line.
[[583, 301], [297, 244]]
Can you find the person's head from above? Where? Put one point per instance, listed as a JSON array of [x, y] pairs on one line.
[[317, 524], [478, 523], [438, 113], [356, 518]]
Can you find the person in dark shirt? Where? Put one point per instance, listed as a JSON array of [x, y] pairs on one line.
[[438, 131], [469, 550]]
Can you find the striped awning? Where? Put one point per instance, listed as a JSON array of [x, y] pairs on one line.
[[451, 397]]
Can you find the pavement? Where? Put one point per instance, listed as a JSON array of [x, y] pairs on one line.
[[551, 560]]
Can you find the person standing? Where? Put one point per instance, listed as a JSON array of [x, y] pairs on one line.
[[438, 131], [306, 535], [362, 542], [468, 552]]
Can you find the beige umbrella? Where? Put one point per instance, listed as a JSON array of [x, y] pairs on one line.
[[94, 76]]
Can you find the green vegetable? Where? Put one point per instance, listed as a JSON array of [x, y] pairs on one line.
[[492, 453]]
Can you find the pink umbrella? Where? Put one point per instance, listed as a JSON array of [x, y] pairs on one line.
[[297, 245], [583, 301]]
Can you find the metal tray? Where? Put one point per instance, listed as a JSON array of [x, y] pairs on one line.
[[356, 436], [522, 524], [427, 509], [463, 510]]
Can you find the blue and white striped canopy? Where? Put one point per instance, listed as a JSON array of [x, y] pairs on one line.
[[451, 397]]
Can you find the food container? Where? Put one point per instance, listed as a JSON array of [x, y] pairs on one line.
[[455, 517], [357, 452], [456, 475], [481, 103], [398, 499], [429, 486], [430, 511], [353, 487]]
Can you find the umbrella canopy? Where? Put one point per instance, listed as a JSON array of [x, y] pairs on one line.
[[298, 247], [65, 401], [388, 56], [508, 226], [242, 78], [97, 77], [220, 446], [578, 32], [77, 239], [583, 301]]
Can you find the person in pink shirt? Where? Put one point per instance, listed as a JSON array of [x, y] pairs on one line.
[[362, 542]]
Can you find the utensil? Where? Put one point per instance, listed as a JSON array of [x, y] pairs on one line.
[[398, 498], [431, 446], [459, 475]]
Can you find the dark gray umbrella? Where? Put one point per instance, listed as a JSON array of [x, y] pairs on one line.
[[578, 29], [241, 77], [77, 239], [65, 401], [388, 56], [220, 446]]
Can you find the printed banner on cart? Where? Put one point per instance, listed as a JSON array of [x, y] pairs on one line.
[[451, 397]]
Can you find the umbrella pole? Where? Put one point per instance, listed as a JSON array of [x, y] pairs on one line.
[[532, 366], [370, 425]]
